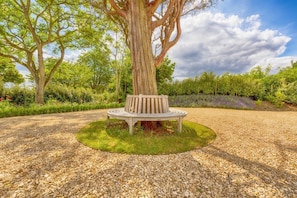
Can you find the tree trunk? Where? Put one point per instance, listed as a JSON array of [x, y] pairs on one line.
[[39, 92], [1, 85], [143, 68], [40, 80]]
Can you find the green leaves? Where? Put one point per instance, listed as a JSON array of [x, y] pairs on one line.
[[8, 72], [97, 61]]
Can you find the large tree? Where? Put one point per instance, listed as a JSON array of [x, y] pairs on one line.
[[144, 22], [32, 30]]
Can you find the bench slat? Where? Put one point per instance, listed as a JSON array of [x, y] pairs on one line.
[[147, 104], [146, 108]]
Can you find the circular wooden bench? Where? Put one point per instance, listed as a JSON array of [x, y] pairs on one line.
[[147, 108]]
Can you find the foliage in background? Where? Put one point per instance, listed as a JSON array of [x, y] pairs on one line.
[[20, 96], [32, 30], [98, 63], [256, 84], [70, 74], [23, 96], [63, 93], [164, 74], [8, 109], [8, 73]]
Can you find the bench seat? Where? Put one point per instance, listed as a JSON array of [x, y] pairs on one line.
[[132, 118]]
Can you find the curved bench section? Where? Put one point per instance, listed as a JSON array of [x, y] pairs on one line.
[[147, 104], [133, 118]]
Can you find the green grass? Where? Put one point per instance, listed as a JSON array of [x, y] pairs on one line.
[[117, 139]]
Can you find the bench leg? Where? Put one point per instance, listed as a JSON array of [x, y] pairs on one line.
[[180, 125], [130, 124], [107, 120]]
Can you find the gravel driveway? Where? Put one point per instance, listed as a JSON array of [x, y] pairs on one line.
[[254, 155]]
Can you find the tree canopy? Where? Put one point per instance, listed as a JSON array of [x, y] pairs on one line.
[[148, 24], [32, 30]]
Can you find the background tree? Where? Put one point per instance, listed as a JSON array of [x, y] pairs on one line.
[[99, 63], [8, 73], [207, 83], [70, 74], [119, 54], [164, 75], [34, 29], [145, 21], [121, 83]]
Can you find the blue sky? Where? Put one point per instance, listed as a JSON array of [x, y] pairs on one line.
[[235, 36]]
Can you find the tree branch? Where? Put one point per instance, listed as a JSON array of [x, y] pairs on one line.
[[119, 11], [160, 57], [15, 45], [168, 13], [62, 48], [154, 6], [167, 30], [17, 60], [29, 23]]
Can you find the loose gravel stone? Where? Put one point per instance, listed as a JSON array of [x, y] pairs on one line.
[[254, 155]]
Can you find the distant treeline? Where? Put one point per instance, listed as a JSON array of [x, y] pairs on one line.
[[257, 84]]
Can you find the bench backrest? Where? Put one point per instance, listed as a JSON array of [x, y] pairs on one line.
[[150, 104]]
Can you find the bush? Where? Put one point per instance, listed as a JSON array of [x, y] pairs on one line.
[[20, 96], [7, 109], [279, 99], [63, 94], [291, 93]]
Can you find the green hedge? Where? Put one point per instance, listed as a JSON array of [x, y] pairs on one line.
[[68, 94], [26, 96], [7, 109]]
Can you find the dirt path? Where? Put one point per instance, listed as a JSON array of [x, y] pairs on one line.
[[254, 155]]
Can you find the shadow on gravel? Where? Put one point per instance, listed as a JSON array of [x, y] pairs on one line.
[[282, 180], [18, 131]]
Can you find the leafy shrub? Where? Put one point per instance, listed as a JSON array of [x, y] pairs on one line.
[[291, 93], [112, 97], [63, 94], [20, 96], [279, 99], [7, 109], [258, 102]]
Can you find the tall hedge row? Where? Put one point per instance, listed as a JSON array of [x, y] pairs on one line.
[[26, 96]]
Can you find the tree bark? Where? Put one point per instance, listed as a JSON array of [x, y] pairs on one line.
[[39, 92], [41, 79], [143, 68]]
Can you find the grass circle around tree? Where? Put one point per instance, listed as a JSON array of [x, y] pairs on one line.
[[114, 137]]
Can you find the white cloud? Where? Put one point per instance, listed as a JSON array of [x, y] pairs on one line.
[[215, 42], [71, 55], [276, 63]]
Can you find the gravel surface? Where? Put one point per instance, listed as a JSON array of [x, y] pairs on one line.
[[254, 155]]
